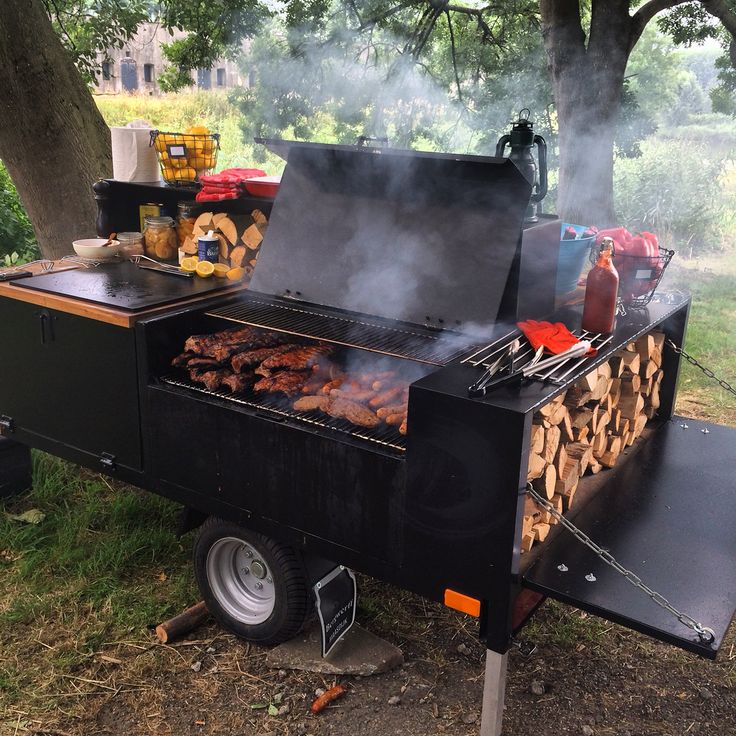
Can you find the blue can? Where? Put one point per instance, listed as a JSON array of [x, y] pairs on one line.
[[208, 248]]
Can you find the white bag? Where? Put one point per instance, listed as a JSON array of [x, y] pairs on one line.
[[133, 158]]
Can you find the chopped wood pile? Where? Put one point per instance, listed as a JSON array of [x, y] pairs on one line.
[[240, 237], [586, 428]]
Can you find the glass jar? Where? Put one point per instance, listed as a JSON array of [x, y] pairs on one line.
[[131, 244], [186, 216], [159, 237]]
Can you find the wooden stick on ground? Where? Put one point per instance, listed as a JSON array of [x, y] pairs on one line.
[[182, 624]]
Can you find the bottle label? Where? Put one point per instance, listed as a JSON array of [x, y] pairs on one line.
[[643, 274]]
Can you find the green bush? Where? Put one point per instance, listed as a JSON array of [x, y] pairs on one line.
[[17, 240], [674, 189]]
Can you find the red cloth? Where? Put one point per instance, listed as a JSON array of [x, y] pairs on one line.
[[217, 195], [556, 338], [228, 184], [230, 177]]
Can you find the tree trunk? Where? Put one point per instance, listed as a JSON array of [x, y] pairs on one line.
[[53, 139], [587, 80]]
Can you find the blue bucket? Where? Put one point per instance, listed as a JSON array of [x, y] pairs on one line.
[[572, 258]]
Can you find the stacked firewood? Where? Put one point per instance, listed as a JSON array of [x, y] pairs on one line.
[[586, 428]]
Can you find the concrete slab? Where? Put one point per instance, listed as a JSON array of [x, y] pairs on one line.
[[359, 653]]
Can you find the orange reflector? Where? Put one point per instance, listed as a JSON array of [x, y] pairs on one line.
[[461, 602]]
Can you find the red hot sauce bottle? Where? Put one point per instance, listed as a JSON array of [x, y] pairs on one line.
[[599, 310]]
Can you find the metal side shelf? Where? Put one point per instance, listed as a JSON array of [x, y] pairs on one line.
[[668, 515]]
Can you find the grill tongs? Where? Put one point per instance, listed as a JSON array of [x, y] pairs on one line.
[[535, 365]]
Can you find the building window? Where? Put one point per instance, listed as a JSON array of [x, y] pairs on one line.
[[220, 77], [148, 72], [106, 70]]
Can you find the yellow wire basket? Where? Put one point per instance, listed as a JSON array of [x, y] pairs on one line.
[[184, 157]]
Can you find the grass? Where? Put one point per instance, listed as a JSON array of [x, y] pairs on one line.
[[103, 565]]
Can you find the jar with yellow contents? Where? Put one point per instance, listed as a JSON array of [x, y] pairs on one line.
[[159, 236]]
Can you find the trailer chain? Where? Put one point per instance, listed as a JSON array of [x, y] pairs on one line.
[[708, 372], [705, 634]]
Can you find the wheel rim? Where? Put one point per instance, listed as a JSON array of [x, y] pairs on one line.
[[240, 580]]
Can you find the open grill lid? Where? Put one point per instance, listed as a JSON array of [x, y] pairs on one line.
[[420, 237]]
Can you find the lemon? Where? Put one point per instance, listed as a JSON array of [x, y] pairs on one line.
[[205, 268], [221, 270], [197, 130], [235, 274], [189, 264], [187, 174]]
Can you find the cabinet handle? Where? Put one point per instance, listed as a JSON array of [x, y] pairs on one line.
[[47, 326]]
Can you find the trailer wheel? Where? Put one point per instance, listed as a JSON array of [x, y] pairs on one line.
[[253, 586]]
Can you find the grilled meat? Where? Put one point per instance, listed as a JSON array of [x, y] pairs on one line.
[[386, 411], [402, 428], [238, 382], [395, 419], [386, 397], [251, 358], [312, 403], [201, 343], [181, 360], [361, 397], [211, 379], [225, 351], [300, 358], [286, 382], [353, 412], [202, 363]]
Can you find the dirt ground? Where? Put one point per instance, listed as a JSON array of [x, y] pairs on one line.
[[586, 677]]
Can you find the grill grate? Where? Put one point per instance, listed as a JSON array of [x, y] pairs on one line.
[[384, 435], [388, 339], [558, 374]]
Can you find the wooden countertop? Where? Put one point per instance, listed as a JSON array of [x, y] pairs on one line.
[[98, 312]]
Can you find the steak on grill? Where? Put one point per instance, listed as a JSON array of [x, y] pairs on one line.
[[300, 358], [287, 382], [251, 358]]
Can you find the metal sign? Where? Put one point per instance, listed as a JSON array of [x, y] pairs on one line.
[[337, 597]]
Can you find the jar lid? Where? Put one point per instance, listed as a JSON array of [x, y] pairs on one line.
[[159, 221], [129, 237]]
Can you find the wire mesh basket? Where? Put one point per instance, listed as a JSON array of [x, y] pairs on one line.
[[638, 276], [184, 157]]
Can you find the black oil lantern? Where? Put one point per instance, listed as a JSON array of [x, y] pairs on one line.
[[522, 140]]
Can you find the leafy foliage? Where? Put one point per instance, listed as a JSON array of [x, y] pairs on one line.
[[674, 189], [89, 27], [17, 240]]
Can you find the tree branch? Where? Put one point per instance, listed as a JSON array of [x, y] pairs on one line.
[[720, 9], [646, 12], [454, 55]]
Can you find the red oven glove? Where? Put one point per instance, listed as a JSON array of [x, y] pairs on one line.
[[556, 338]]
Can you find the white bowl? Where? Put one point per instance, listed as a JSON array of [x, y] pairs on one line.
[[93, 248]]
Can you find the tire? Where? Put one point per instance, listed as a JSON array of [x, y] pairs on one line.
[[252, 585]]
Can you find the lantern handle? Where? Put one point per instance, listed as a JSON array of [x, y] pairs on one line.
[[542, 157]]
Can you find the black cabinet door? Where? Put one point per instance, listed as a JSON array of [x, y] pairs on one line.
[[70, 381]]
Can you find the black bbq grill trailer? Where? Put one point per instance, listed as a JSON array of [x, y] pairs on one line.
[[425, 260]]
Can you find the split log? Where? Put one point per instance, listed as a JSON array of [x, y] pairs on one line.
[[541, 531], [581, 452], [577, 396], [252, 237], [560, 460], [536, 443], [630, 384], [580, 418], [631, 406], [648, 369], [551, 443], [237, 255], [569, 478], [182, 624], [567, 427], [557, 415], [588, 382], [545, 484], [645, 347], [601, 388], [527, 541], [536, 466], [631, 360], [227, 227], [617, 366]]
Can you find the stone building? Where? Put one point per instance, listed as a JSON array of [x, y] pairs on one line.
[[135, 67]]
